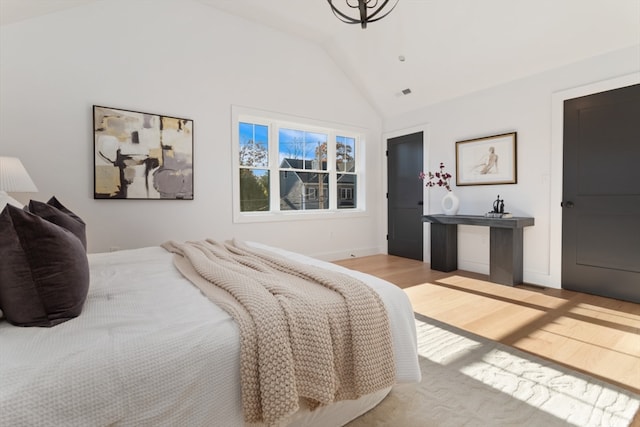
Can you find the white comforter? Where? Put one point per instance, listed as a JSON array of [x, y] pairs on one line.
[[148, 350]]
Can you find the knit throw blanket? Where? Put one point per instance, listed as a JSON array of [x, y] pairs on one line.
[[307, 334]]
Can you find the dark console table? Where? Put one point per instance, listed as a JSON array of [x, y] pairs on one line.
[[505, 244]]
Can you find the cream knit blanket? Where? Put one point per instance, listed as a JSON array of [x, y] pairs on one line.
[[306, 333]]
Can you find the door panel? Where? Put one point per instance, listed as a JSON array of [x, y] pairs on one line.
[[615, 247], [601, 194], [405, 227]]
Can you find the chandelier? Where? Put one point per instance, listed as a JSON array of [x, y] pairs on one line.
[[365, 11]]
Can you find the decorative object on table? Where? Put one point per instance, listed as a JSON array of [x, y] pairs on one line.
[[498, 205], [141, 155], [14, 179], [450, 202], [498, 210], [487, 160], [361, 11]]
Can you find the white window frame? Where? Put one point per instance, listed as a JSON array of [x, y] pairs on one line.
[[275, 121]]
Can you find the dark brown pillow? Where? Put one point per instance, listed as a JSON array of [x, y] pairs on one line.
[[44, 271], [53, 211]]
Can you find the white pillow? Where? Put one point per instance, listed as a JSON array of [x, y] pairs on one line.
[[5, 198]]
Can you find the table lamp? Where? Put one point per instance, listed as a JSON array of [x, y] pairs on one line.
[[13, 179]]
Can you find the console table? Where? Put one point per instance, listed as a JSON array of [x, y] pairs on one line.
[[505, 244]]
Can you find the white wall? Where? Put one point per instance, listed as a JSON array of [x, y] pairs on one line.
[[189, 60], [524, 106], [180, 59]]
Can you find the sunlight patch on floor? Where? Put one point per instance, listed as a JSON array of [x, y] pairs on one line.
[[546, 388]]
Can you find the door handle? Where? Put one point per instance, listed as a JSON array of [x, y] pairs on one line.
[[569, 204], [420, 203]]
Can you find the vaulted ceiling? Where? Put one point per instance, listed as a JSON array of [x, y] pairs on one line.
[[450, 47]]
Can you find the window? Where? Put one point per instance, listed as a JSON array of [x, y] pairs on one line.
[[254, 163], [294, 166], [302, 157], [346, 194], [346, 164]]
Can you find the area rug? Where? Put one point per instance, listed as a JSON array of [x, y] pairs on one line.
[[468, 380]]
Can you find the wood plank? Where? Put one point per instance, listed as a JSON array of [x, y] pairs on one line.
[[596, 335]]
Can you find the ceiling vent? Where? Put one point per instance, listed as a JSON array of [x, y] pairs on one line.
[[406, 91]]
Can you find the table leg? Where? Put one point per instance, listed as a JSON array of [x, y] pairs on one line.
[[505, 256], [444, 247]]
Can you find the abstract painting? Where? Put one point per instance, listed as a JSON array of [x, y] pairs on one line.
[[141, 155]]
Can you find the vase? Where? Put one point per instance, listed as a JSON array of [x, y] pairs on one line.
[[450, 203]]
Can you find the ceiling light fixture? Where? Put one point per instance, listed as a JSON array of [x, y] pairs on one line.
[[368, 11]]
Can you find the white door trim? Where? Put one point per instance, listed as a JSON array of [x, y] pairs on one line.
[[557, 129]]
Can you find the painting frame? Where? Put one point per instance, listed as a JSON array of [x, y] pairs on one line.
[[489, 160], [141, 156]]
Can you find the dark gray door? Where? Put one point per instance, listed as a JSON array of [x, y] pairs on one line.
[[601, 194], [404, 163]]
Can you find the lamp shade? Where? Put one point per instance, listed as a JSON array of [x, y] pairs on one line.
[[14, 177]]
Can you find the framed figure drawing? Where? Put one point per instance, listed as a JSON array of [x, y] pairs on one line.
[[487, 160], [141, 155]]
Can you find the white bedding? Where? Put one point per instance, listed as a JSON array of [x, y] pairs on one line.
[[147, 350]]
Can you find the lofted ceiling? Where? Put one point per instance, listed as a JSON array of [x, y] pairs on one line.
[[450, 47]]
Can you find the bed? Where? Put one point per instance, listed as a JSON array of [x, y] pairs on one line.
[[150, 349]]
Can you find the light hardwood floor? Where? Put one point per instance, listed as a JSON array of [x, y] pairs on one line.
[[596, 335]]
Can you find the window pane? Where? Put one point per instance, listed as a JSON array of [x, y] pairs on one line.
[[303, 190], [254, 190], [254, 145], [347, 191], [299, 149], [345, 154]]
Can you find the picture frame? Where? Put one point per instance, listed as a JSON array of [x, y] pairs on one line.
[[488, 160], [141, 156]]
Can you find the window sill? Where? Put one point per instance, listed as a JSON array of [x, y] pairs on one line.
[[253, 217]]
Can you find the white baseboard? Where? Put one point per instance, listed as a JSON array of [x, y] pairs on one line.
[[530, 277], [540, 279], [474, 267], [344, 254]]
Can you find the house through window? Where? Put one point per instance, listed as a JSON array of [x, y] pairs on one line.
[[294, 166]]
